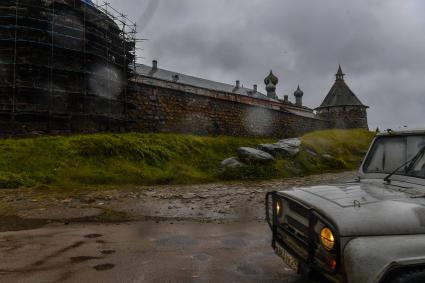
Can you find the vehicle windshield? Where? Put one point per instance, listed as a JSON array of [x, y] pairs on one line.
[[390, 152]]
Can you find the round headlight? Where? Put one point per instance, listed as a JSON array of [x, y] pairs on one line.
[[278, 207], [327, 239]]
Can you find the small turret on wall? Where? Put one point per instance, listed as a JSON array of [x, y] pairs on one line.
[[299, 97], [342, 107], [271, 81]]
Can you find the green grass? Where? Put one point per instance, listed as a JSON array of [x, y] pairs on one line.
[[347, 148], [146, 159]]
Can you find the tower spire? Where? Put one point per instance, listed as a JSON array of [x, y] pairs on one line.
[[339, 75]]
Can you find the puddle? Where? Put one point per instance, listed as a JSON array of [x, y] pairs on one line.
[[103, 267], [233, 242], [201, 257], [16, 223], [79, 259], [177, 241], [92, 236], [58, 253], [248, 269]]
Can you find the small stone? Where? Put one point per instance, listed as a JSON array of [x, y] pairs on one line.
[[231, 163], [188, 196], [311, 152], [327, 156], [294, 142]]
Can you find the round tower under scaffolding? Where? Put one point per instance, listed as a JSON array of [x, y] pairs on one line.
[[64, 66]]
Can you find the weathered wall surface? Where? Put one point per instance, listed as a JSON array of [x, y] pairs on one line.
[[64, 115], [162, 109], [346, 117]]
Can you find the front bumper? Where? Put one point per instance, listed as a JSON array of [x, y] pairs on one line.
[[301, 241]]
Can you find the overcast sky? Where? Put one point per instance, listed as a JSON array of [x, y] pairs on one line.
[[380, 45]]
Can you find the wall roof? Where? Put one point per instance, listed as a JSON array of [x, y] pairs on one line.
[[196, 82], [170, 76]]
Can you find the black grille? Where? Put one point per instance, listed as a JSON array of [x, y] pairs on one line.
[[299, 209], [297, 226]]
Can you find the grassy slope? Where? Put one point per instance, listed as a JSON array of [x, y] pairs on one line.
[[143, 159]]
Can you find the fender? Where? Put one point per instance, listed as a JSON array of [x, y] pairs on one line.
[[368, 259]]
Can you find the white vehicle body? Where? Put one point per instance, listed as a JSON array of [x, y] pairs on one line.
[[378, 225]]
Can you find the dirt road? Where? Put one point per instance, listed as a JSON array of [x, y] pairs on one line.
[[142, 252], [205, 233]]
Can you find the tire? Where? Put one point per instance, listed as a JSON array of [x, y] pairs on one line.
[[412, 276]]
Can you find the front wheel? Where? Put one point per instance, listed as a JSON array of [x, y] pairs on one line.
[[413, 276]]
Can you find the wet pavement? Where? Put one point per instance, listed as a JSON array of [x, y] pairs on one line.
[[143, 252], [199, 233]]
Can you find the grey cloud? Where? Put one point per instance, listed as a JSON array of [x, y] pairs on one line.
[[379, 43]]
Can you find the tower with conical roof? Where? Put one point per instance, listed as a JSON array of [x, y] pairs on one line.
[[342, 107]]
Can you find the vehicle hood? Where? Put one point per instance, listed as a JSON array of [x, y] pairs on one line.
[[366, 209]]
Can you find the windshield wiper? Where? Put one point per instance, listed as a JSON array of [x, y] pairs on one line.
[[407, 163]]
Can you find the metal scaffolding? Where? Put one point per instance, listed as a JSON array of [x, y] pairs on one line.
[[64, 58]]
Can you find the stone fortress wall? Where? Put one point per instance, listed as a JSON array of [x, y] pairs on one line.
[[163, 107], [68, 66]]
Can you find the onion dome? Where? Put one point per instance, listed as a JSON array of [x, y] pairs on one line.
[[271, 79], [298, 92]]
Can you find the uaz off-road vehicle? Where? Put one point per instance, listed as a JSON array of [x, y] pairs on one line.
[[368, 230]]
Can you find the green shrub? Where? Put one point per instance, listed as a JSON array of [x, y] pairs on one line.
[[10, 180]]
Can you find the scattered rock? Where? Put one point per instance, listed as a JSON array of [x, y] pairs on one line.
[[279, 150], [294, 142], [232, 163], [188, 196], [285, 148], [252, 155], [311, 152], [327, 157]]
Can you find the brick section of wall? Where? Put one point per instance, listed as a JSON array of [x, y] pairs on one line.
[[346, 117], [166, 109]]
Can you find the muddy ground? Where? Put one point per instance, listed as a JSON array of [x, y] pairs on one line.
[[198, 233]]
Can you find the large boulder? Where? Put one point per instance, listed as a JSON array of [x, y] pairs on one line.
[[252, 155], [231, 163], [285, 148], [295, 142]]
